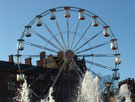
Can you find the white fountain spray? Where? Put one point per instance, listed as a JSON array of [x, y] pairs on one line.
[[23, 93], [123, 93], [49, 97], [89, 91]]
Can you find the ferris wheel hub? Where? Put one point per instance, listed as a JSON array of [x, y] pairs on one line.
[[69, 55]]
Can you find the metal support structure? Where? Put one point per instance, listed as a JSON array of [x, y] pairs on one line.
[[70, 47], [39, 46], [75, 33], [45, 39], [68, 32], [61, 69], [96, 46], [88, 41], [108, 84], [99, 65], [58, 26], [83, 35], [50, 32], [97, 55]]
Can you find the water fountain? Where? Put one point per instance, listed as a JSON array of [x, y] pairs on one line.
[[49, 97], [89, 92], [124, 94], [23, 93], [89, 89]]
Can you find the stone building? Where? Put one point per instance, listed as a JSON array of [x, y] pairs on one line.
[[40, 78]]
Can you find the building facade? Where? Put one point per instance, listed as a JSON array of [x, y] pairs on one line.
[[40, 79]]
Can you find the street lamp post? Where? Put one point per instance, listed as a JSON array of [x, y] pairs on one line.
[[108, 84]]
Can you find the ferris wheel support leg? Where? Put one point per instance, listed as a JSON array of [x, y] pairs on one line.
[[34, 93], [77, 67], [77, 72], [61, 69]]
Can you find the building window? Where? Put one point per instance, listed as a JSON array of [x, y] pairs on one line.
[[11, 86], [42, 77], [32, 77], [10, 99], [11, 76], [52, 78]]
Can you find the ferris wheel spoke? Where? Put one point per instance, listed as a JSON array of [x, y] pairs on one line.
[[88, 41], [103, 44], [50, 82], [98, 55], [99, 65], [76, 71], [50, 32], [47, 86], [75, 33], [68, 32], [77, 67], [78, 77], [39, 46], [58, 90], [35, 80], [83, 35], [31, 56], [69, 85], [94, 73], [61, 69], [45, 39], [58, 26], [34, 93]]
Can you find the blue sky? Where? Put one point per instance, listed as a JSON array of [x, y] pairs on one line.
[[119, 14]]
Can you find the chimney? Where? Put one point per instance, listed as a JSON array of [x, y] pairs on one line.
[[39, 63], [42, 55], [45, 63], [28, 61], [11, 60], [42, 61], [60, 54]]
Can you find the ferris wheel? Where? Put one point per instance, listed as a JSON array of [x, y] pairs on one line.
[[71, 33]]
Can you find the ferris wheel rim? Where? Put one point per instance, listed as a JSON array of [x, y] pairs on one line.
[[63, 10], [47, 12], [77, 8]]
